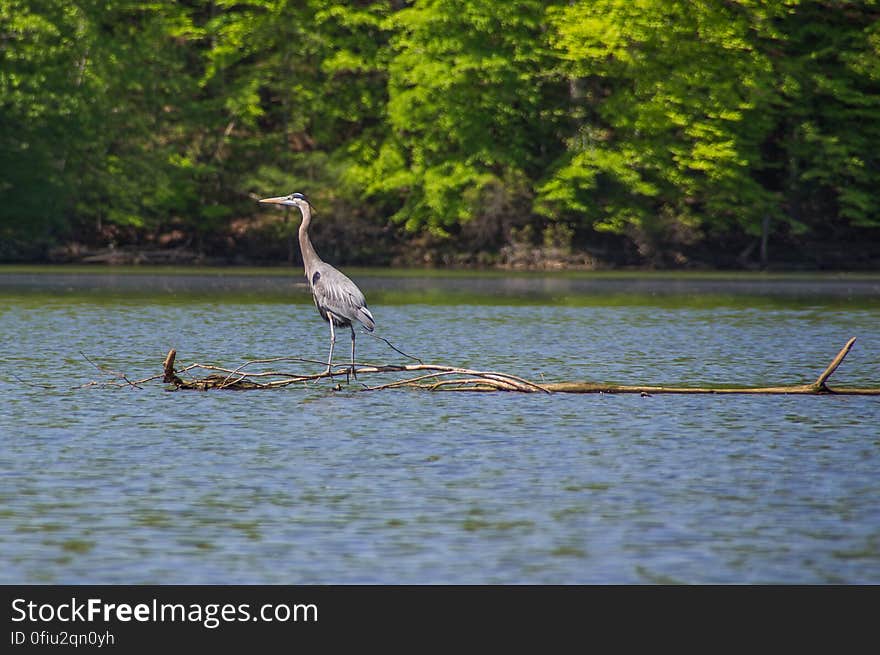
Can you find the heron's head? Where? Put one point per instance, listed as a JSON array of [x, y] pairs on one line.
[[293, 200]]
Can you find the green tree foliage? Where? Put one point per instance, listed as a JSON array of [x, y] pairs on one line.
[[472, 112], [826, 125], [91, 96], [698, 116], [668, 124], [298, 89]]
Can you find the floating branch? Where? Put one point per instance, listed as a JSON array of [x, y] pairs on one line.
[[241, 379], [434, 377], [819, 384], [115, 376], [814, 388]]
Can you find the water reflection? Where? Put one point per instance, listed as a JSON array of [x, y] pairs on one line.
[[401, 287]]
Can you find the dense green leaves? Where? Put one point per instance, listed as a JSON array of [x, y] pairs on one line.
[[467, 108], [670, 125], [93, 99]]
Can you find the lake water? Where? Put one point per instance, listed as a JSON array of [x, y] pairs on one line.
[[309, 485]]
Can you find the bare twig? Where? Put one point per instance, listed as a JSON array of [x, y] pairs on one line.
[[508, 377], [465, 384], [408, 381], [31, 384], [819, 384], [149, 379], [393, 347], [109, 371]]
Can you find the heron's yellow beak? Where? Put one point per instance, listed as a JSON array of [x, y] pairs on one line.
[[274, 201]]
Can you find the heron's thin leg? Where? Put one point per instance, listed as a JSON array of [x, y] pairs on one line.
[[353, 372], [332, 343]]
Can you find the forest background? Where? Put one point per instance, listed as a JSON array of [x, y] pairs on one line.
[[524, 134]]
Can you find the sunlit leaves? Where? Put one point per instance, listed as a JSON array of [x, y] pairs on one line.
[[696, 95], [467, 88], [645, 118]]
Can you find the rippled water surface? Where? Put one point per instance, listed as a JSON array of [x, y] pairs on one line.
[[311, 485]]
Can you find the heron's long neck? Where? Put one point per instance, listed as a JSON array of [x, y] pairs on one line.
[[310, 257]]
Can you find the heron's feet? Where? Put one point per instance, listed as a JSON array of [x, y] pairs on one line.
[[326, 374]]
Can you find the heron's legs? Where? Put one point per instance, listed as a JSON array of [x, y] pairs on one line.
[[353, 371]]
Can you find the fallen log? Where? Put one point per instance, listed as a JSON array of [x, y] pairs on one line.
[[435, 377]]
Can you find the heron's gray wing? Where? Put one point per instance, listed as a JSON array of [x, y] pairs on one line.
[[335, 293]]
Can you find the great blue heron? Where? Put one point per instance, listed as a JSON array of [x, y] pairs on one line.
[[337, 298]]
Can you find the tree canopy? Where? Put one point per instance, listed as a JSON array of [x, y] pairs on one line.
[[653, 131]]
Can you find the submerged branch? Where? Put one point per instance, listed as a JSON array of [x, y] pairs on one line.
[[255, 374]]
